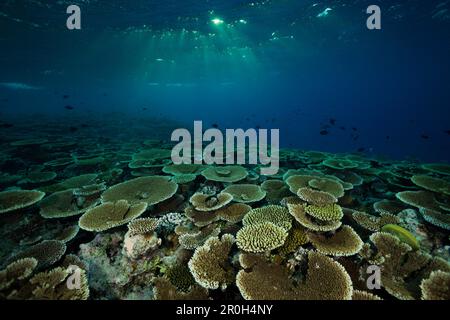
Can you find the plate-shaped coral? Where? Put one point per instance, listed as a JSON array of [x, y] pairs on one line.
[[225, 173], [111, 214], [151, 190], [245, 193], [19, 199]]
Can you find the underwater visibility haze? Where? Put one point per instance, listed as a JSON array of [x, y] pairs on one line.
[[89, 189]]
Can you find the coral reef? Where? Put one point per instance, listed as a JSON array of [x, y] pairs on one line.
[[133, 225], [210, 266]]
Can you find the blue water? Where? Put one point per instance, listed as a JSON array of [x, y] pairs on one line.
[[271, 64]]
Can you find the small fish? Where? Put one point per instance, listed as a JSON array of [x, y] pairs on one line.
[[215, 125], [425, 136], [85, 125], [324, 132], [258, 127], [361, 149], [342, 128], [144, 109], [68, 107], [447, 132], [333, 121], [388, 137], [354, 129], [73, 129], [66, 96]]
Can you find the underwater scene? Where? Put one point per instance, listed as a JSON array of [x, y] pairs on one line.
[[224, 150]]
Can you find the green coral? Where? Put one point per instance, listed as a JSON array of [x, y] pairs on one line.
[[277, 215], [261, 237], [330, 212]]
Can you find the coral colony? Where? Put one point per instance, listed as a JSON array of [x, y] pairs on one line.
[[215, 153]]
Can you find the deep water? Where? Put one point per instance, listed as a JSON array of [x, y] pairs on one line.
[[283, 68]]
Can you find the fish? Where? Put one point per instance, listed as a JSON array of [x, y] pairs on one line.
[[215, 125], [68, 107], [144, 109], [73, 129], [342, 128], [332, 121], [388, 137], [84, 125], [324, 132], [361, 149], [354, 129], [425, 136], [66, 96], [447, 132]]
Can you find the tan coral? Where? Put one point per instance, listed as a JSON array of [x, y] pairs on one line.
[[374, 223], [245, 193], [327, 213], [142, 226], [201, 218], [65, 204], [437, 286], [210, 264], [343, 242], [327, 185], [193, 240], [278, 215], [150, 189], [16, 271], [111, 214], [298, 211], [432, 183], [234, 212], [364, 295], [18, 199], [275, 190], [164, 290], [225, 173], [315, 197], [261, 237], [46, 253], [326, 279], [206, 202]]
